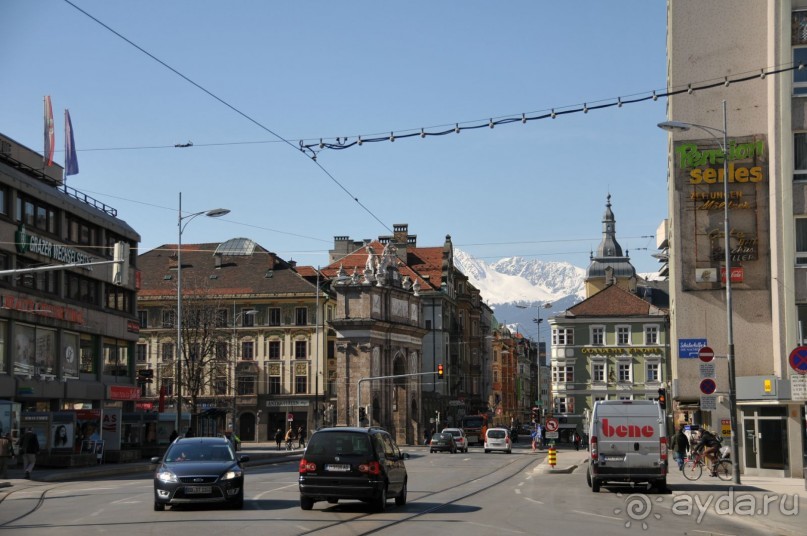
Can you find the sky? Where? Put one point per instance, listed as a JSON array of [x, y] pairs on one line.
[[245, 81]]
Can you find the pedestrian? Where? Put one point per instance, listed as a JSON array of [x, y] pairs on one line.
[[289, 437], [301, 437], [576, 439], [189, 432], [534, 437], [539, 436], [278, 437], [29, 448], [426, 436], [6, 453], [173, 436], [680, 446]]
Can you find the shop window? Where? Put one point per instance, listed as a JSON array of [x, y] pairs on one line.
[[88, 356]]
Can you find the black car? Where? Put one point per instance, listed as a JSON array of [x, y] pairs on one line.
[[442, 441], [352, 463], [199, 470]]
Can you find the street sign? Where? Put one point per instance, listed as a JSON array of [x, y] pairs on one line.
[[725, 427], [688, 348], [708, 402], [290, 417], [552, 435], [798, 359], [706, 354], [552, 424], [707, 370], [798, 387], [708, 386]]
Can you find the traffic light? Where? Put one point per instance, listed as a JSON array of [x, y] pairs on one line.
[[440, 372], [120, 270], [662, 398]]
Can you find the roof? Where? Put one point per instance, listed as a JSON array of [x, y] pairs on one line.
[[260, 272], [614, 301]]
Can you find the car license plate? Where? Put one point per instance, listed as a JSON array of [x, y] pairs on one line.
[[614, 458], [341, 467], [198, 489]]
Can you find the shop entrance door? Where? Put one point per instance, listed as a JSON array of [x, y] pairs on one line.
[[764, 440]]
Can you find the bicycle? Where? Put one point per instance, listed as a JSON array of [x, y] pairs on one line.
[[693, 468]]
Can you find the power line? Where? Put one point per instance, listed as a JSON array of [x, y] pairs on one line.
[[230, 106]]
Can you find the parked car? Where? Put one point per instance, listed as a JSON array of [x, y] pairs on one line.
[[459, 438], [352, 463], [627, 443], [442, 441], [498, 439], [199, 470]]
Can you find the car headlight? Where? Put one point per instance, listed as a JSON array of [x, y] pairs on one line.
[[232, 473], [167, 476]]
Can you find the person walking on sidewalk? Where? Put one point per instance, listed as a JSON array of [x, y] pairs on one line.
[[29, 448], [6, 453], [576, 439], [279, 438], [680, 446], [301, 437]]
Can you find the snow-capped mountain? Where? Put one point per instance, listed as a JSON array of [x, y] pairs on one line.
[[521, 290]]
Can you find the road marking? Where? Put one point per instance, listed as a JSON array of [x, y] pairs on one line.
[[259, 495], [533, 500], [518, 491], [596, 515], [713, 533]]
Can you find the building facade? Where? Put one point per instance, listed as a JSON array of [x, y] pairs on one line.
[[255, 344], [67, 334], [765, 127]]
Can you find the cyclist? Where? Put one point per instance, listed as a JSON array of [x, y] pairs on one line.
[[709, 445]]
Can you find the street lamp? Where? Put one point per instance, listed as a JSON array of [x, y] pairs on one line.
[[679, 126], [236, 317], [215, 213]]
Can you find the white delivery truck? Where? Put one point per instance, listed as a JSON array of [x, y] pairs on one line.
[[628, 443]]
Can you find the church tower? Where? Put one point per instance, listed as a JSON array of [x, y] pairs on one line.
[[609, 266]]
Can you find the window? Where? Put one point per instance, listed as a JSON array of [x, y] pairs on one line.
[[799, 38], [653, 372], [273, 316], [801, 241], [143, 319], [799, 156], [300, 349], [624, 371], [168, 319], [562, 373], [88, 356], [651, 335], [598, 336], [274, 385], [245, 385], [562, 336], [118, 298], [248, 350], [221, 318], [301, 385], [36, 214], [82, 232], [598, 372], [168, 351], [565, 404], [45, 281], [85, 290], [141, 353], [274, 350], [222, 351], [248, 320], [301, 316], [622, 335], [220, 386]]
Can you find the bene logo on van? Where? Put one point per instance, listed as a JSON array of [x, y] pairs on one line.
[[626, 430]]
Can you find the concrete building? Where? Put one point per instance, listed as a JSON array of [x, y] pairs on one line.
[[67, 334], [766, 131]]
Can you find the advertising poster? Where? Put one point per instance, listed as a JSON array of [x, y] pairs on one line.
[[24, 350], [69, 355], [112, 424], [62, 436], [698, 168], [88, 426]]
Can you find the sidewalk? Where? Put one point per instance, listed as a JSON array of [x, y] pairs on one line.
[[259, 454]]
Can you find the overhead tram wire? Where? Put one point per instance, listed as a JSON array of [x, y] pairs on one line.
[[231, 107]]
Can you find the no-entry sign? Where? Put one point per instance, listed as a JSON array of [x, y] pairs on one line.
[[706, 354]]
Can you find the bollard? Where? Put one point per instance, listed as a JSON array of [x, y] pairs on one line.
[[552, 456]]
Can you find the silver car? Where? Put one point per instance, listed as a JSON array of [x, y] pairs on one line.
[[459, 438], [498, 439]]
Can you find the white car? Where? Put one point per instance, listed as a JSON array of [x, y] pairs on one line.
[[459, 438], [498, 439]]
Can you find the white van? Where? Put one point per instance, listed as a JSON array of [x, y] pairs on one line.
[[628, 443]]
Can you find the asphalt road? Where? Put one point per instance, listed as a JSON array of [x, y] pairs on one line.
[[469, 494]]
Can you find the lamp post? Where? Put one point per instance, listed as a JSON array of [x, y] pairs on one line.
[[538, 363], [236, 317], [215, 213], [679, 126]]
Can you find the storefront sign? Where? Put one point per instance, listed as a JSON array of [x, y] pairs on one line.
[[30, 243], [601, 350], [40, 308], [286, 403], [123, 392]]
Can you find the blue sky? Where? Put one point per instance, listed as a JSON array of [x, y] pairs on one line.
[[310, 70]]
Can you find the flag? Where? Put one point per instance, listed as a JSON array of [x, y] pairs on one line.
[[50, 140], [70, 160]]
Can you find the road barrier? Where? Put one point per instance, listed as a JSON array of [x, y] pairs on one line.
[[552, 456]]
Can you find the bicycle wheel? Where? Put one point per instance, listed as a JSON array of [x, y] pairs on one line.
[[724, 470], [692, 470]]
